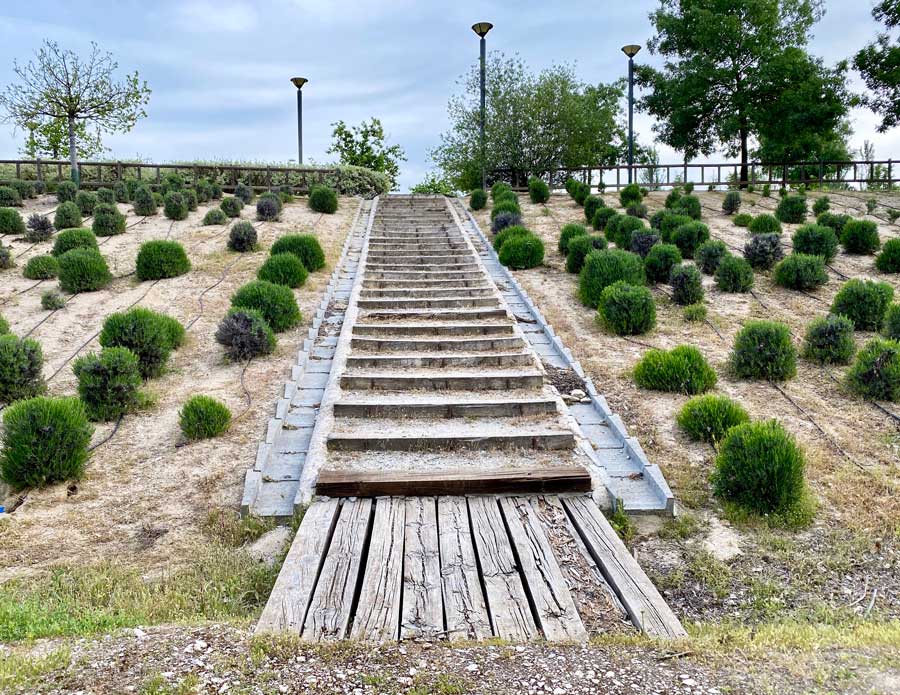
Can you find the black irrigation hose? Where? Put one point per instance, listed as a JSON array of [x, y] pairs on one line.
[[107, 437]]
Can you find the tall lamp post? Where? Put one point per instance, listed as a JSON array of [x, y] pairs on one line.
[[298, 83], [482, 28], [631, 50]]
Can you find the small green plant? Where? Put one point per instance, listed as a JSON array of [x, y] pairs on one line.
[[78, 238], [630, 194], [242, 237], [680, 370], [41, 268], [276, 303], [45, 440], [21, 364], [203, 417], [816, 240], [323, 199], [860, 237], [764, 224], [268, 207], [642, 241], [743, 219], [505, 205], [190, 198], [305, 246], [621, 228], [689, 205], [67, 216], [51, 300], [591, 204], [244, 333], [40, 228], [836, 222], [478, 199], [734, 274], [108, 382], [672, 199], [766, 190], [637, 210], [660, 260], [689, 236], [231, 206], [505, 219], [657, 218], [66, 192], [888, 261], [864, 302], [763, 350], [760, 468], [603, 268], [708, 418], [891, 328], [508, 233], [143, 202], [83, 270], [689, 187], [108, 221], [120, 192], [283, 269], [792, 209], [11, 222], [215, 216], [829, 340], [800, 271], [871, 205], [669, 223], [582, 191], [821, 205], [161, 259], [687, 285], [627, 309], [523, 251], [151, 336], [569, 231], [876, 372], [763, 251], [500, 187], [695, 313], [731, 203], [709, 254], [86, 202], [538, 190], [579, 248], [175, 206], [244, 192], [9, 197], [6, 258], [25, 188]]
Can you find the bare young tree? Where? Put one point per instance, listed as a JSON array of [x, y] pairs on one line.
[[59, 84]]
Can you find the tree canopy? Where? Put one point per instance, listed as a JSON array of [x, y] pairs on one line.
[[50, 138], [879, 65], [364, 146], [534, 123], [736, 70]]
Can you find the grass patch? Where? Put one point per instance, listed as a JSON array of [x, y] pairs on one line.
[[228, 527], [680, 527], [713, 574], [22, 673], [158, 685], [797, 516], [622, 523]]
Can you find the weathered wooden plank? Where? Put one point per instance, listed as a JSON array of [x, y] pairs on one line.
[[463, 598], [290, 597], [644, 604], [553, 605], [378, 609], [338, 483], [507, 602], [330, 609], [423, 611]]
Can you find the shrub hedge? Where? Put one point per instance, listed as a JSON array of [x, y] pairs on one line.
[[144, 204], [41, 268], [67, 216], [708, 418], [323, 199], [568, 231], [763, 350], [687, 284], [11, 222], [829, 340], [604, 267], [283, 269], [626, 309], [77, 238], [659, 262], [816, 240], [763, 251], [709, 254], [680, 370], [203, 417], [860, 237], [734, 274], [522, 251], [478, 199], [800, 271], [150, 335], [579, 248], [108, 382], [108, 221], [40, 228], [244, 333], [792, 209], [864, 302], [21, 365], [161, 259], [305, 246], [538, 191], [242, 237], [231, 206], [215, 216], [276, 303], [175, 206], [83, 270], [764, 224]]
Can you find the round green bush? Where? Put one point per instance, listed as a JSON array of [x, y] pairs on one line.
[[731, 203], [708, 418], [121, 192], [508, 233], [40, 228], [504, 220], [743, 220], [763, 251], [759, 467], [689, 236], [672, 198], [689, 205], [763, 350], [630, 194], [45, 440], [821, 204], [283, 269], [656, 219], [582, 191], [161, 259], [242, 237], [215, 216], [148, 334], [816, 240], [108, 382], [521, 252], [860, 237], [190, 198], [591, 204], [621, 228], [244, 192], [323, 199], [11, 222], [505, 206], [637, 210], [670, 223], [66, 192], [764, 224], [876, 372], [305, 246], [86, 202], [25, 189], [888, 261], [158, 200], [891, 328], [244, 333], [21, 365], [864, 302], [734, 274], [829, 340], [108, 221], [78, 238], [83, 270], [538, 190], [566, 233], [835, 222], [267, 209], [9, 197], [498, 188], [709, 254], [579, 248], [175, 206], [603, 268], [626, 309], [478, 199], [67, 216], [231, 206], [41, 268], [695, 312], [144, 204], [51, 300], [800, 271], [680, 370], [792, 209], [601, 218], [687, 285], [203, 417], [642, 241], [276, 303], [660, 260]]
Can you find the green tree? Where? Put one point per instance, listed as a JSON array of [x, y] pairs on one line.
[[59, 84], [730, 66], [534, 123], [879, 65], [364, 146], [50, 138]]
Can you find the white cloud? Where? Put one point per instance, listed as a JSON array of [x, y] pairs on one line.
[[217, 17]]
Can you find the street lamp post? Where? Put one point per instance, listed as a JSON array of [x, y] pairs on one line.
[[482, 28], [631, 51], [298, 83]]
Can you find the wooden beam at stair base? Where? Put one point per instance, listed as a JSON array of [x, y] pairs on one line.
[[337, 483]]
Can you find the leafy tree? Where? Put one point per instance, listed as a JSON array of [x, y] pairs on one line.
[[879, 65], [364, 146], [50, 138], [59, 84], [434, 184], [534, 123], [731, 67]]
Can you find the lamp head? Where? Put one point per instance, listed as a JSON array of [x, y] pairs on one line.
[[631, 50], [299, 82], [482, 28]]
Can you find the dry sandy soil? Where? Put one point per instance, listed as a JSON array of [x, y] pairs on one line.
[[145, 492]]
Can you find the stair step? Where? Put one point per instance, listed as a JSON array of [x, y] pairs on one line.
[[428, 435], [445, 344], [428, 329], [412, 284], [457, 266], [425, 303], [372, 274], [438, 314], [401, 292], [433, 361], [444, 380], [421, 259], [406, 406]]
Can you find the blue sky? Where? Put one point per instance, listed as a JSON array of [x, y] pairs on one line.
[[219, 69]]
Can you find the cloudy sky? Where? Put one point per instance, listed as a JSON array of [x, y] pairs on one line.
[[219, 69]]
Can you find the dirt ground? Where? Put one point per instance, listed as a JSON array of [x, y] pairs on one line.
[[145, 492]]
